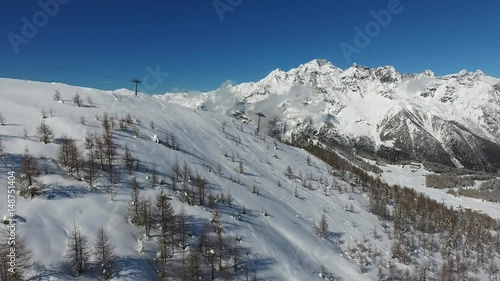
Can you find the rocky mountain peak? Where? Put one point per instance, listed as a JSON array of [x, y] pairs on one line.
[[465, 74], [317, 65], [427, 74], [387, 74]]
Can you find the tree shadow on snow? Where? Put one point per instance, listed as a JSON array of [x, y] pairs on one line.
[[256, 264], [335, 235], [42, 273], [12, 124], [126, 268], [133, 268], [10, 162], [57, 192]]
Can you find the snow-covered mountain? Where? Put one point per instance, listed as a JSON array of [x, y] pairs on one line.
[[453, 119], [283, 244], [279, 194]]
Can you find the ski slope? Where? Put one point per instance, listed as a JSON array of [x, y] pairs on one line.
[[284, 244]]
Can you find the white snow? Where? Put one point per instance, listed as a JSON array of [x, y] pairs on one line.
[[395, 174], [284, 245]]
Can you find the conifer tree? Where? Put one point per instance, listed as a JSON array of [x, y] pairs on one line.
[[79, 251], [28, 170], [77, 100], [104, 253], [45, 133], [136, 215], [322, 228]]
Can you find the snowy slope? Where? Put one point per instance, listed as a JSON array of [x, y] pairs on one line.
[[284, 245], [377, 107]]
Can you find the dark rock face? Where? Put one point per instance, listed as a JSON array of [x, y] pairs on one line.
[[363, 143], [429, 91], [492, 153], [411, 141], [386, 75], [472, 151], [496, 87], [329, 135], [450, 95], [304, 133]]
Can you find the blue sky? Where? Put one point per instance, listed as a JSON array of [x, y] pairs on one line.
[[104, 44]]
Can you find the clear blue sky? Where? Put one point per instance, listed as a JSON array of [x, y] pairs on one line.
[[104, 44]]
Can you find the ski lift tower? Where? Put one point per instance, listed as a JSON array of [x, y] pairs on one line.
[[137, 82], [258, 125]]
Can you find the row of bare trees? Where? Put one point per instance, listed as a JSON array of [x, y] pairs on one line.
[[80, 252], [467, 241], [76, 98], [212, 253], [487, 191]]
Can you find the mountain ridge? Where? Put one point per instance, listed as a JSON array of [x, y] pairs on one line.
[[357, 102]]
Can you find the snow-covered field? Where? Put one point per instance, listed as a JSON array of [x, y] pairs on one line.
[[284, 245], [395, 174]]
